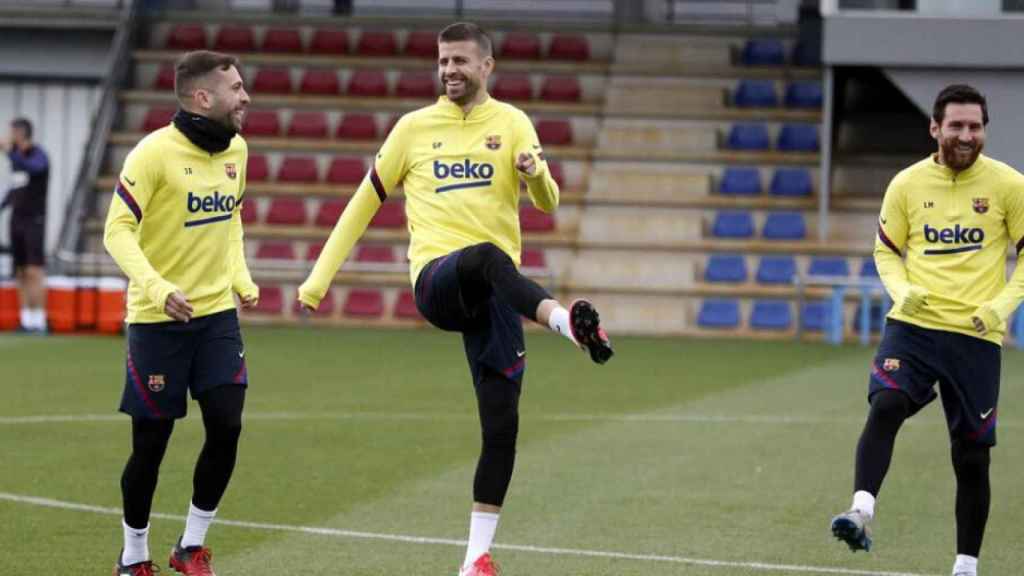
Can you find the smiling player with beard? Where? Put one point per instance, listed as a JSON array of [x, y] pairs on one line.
[[945, 226]]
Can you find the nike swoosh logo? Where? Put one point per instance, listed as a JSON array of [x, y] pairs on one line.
[[241, 354], [985, 415], [882, 220], [130, 183], [520, 353]]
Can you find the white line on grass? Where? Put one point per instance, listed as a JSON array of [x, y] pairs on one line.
[[335, 532]]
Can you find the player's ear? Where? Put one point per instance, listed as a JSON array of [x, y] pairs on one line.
[[933, 129]]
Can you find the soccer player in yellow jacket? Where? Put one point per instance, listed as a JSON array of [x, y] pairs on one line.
[[460, 162], [174, 227], [943, 233]]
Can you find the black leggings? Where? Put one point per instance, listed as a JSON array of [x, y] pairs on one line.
[[498, 403], [484, 270], [222, 418]]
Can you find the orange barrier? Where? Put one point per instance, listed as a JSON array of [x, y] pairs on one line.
[[9, 309], [86, 303], [60, 303], [111, 302]]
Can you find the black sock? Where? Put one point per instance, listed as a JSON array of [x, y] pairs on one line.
[[484, 270], [498, 403], [889, 409], [222, 418], [973, 494], [138, 481]]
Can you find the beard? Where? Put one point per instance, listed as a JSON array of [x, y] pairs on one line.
[[469, 90], [230, 120], [959, 158]]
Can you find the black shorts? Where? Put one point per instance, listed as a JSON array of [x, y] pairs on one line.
[[912, 360], [492, 331], [168, 359], [27, 239]]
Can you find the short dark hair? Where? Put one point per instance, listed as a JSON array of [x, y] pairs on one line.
[[958, 94], [194, 65], [461, 31], [24, 125]]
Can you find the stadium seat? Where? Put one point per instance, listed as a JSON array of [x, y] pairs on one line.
[[771, 315], [405, 306], [561, 89], [763, 52], [876, 316], [568, 47], [776, 270], [868, 269], [416, 85], [346, 170], [376, 43], [719, 313], [828, 266], [554, 132], [755, 94], [329, 42], [271, 301], [357, 127], [533, 258], [784, 226], [272, 81], [329, 212], [368, 84], [740, 181], [748, 137], [324, 310], [798, 138], [257, 169], [816, 316], [389, 215], [520, 46], [557, 172], [729, 224], [364, 303], [803, 95], [249, 215], [375, 253], [234, 39], [532, 219], [298, 169], [729, 268], [314, 250], [421, 44], [287, 212], [282, 41], [186, 37], [261, 123], [157, 118], [165, 78], [512, 87], [308, 124], [321, 82], [794, 182], [276, 250]]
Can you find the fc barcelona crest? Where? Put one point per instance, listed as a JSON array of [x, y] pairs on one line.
[[493, 142], [229, 169], [156, 382], [980, 205], [891, 364]]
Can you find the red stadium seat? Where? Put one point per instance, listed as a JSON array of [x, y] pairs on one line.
[[346, 170], [555, 132], [261, 123], [271, 301], [187, 37], [249, 215], [320, 81], [314, 250], [569, 47], [416, 85], [555, 168], [276, 250], [389, 215], [561, 89], [165, 78], [512, 87], [368, 83], [405, 306], [257, 169], [308, 124], [287, 212], [272, 81], [157, 118], [421, 44], [364, 303], [533, 220], [520, 46], [357, 127], [329, 42], [298, 169], [282, 40], [533, 258], [375, 253], [324, 310], [373, 43], [329, 212], [234, 39]]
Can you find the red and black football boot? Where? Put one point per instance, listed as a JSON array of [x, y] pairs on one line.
[[192, 561], [586, 329]]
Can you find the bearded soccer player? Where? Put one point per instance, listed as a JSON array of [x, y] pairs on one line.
[[175, 229], [945, 226], [460, 162]]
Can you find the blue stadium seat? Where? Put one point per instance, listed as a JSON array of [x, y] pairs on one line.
[[755, 94], [763, 52], [749, 137], [794, 182], [803, 95], [784, 226], [798, 138], [877, 317], [733, 225], [719, 313], [776, 270], [740, 180], [816, 316], [771, 315], [868, 269], [824, 266], [726, 268]]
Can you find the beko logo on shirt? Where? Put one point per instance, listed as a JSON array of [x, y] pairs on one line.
[[221, 204], [965, 237], [479, 174]]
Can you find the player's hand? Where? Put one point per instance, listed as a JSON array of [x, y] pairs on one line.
[[249, 301], [177, 307], [526, 164], [984, 319], [913, 300]]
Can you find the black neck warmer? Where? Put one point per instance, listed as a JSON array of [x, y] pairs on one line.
[[207, 134]]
